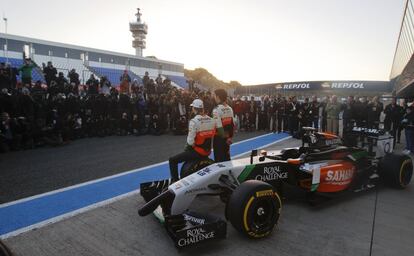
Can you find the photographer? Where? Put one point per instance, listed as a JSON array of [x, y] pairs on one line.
[[393, 116], [349, 114], [8, 138], [61, 83], [4, 77], [333, 108], [93, 85], [6, 102], [49, 72], [73, 77], [304, 114], [105, 85], [125, 80], [314, 112], [408, 125], [141, 109], [26, 106], [26, 72], [375, 107], [292, 110]]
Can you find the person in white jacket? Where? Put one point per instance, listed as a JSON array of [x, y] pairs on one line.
[[201, 130], [224, 118]]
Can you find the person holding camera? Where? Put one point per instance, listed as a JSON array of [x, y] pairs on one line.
[[26, 72], [49, 72], [73, 76], [408, 125]]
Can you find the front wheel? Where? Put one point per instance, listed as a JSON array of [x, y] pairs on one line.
[[396, 170], [254, 208]]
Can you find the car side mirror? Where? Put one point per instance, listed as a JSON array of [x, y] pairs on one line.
[[253, 154]]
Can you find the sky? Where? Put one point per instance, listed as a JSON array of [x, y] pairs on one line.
[[253, 42]]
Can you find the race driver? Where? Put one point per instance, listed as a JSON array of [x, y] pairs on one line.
[[201, 130], [223, 116]]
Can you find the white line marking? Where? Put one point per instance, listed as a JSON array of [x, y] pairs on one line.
[[99, 204], [80, 185], [67, 215]]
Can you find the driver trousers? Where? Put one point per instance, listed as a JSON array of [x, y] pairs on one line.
[[187, 155]]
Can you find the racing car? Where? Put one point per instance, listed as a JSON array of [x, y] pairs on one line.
[[252, 188]]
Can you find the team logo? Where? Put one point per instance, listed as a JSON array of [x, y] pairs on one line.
[[271, 173], [194, 219], [296, 86], [204, 171], [194, 236], [339, 177], [348, 85]]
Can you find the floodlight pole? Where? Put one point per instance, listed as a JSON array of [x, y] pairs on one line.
[[7, 45]]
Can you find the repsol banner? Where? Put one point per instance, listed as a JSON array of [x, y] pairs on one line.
[[383, 86]]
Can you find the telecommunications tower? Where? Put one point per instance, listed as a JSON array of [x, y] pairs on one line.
[[139, 32]]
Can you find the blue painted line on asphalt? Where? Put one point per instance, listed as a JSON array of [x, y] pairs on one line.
[[30, 212]]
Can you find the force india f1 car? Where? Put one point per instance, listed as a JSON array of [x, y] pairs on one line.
[[251, 187]]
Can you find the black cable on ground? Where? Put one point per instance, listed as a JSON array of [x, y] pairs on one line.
[[373, 221]]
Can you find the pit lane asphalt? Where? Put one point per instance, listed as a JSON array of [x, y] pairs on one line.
[[343, 227], [32, 172]]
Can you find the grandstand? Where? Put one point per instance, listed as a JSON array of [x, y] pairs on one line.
[[402, 71], [17, 63], [178, 80], [113, 75], [86, 61]]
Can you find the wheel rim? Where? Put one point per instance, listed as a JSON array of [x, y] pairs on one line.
[[263, 215], [406, 173]]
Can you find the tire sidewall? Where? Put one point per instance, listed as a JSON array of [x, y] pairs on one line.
[[393, 168], [403, 169], [242, 207]]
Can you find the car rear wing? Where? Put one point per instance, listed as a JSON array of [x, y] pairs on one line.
[[377, 142]]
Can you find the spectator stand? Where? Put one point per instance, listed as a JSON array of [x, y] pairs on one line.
[[17, 63], [65, 65], [113, 74]]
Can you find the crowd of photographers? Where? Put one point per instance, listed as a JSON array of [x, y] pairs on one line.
[[287, 114], [33, 115]]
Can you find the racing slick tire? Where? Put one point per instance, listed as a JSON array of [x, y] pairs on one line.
[[191, 167], [396, 170], [254, 208]]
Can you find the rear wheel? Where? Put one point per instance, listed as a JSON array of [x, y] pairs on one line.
[[254, 208], [396, 170], [191, 167]]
